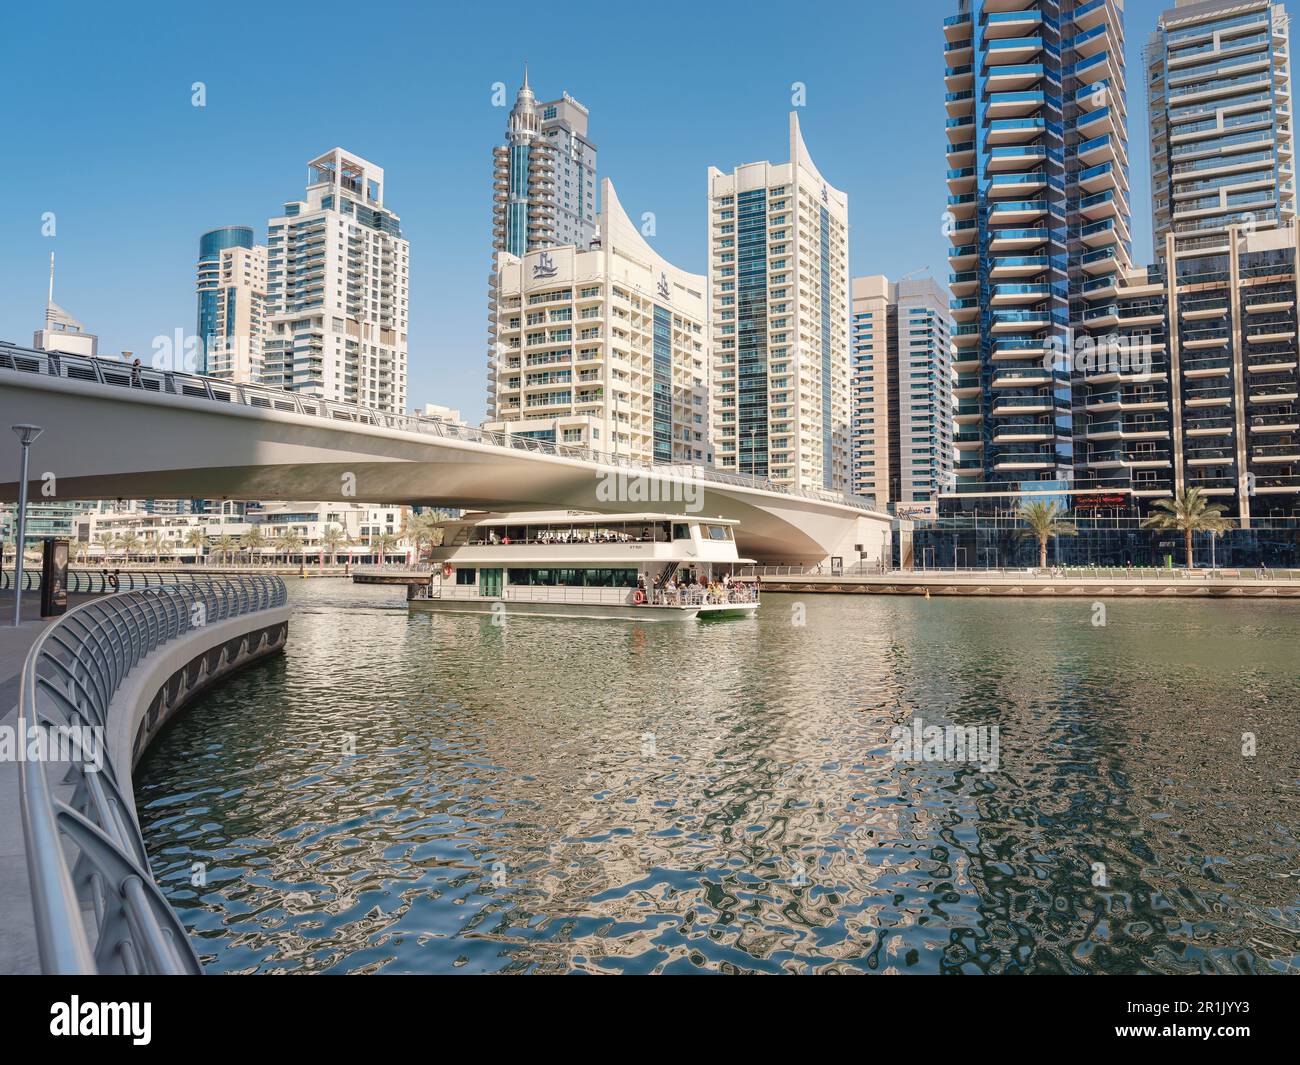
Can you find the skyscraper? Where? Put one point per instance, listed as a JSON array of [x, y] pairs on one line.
[[1038, 218], [231, 295], [337, 289], [779, 302], [902, 389], [544, 176], [1221, 138], [602, 347]]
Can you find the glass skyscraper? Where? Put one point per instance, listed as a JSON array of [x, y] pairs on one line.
[[210, 289], [1038, 216]]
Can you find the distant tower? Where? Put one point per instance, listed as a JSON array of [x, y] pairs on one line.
[[231, 285], [337, 289], [544, 176], [62, 332]]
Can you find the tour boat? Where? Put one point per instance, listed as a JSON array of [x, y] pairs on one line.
[[630, 567]]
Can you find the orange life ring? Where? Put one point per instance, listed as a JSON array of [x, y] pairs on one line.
[[446, 572], [639, 598]]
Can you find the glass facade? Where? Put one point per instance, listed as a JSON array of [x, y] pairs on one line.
[[828, 469], [663, 385], [1038, 211], [751, 331], [211, 245]]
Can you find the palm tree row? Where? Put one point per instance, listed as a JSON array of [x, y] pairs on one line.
[[228, 548], [1189, 512]]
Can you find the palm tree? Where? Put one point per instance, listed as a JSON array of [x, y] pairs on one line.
[[252, 541], [83, 550], [1190, 512], [1044, 520], [226, 545], [197, 540], [126, 543], [333, 537], [385, 542], [288, 542], [422, 529], [106, 543]]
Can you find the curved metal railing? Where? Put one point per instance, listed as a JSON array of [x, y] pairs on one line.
[[108, 581], [174, 382], [96, 905]]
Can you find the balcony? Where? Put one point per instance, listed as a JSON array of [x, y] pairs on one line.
[[1001, 240], [1013, 78]]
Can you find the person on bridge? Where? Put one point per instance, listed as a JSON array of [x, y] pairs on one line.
[[135, 374]]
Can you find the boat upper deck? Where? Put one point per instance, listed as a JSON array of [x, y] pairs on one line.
[[559, 537]]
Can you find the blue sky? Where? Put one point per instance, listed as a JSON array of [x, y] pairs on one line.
[[98, 128]]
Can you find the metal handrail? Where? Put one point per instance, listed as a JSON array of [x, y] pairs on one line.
[[108, 581], [96, 905], [191, 386]]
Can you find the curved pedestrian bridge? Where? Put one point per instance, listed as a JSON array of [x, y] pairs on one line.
[[164, 434]]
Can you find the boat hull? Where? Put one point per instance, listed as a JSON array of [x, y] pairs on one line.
[[595, 611]]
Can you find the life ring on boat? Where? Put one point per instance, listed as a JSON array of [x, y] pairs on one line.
[[446, 572], [639, 597]]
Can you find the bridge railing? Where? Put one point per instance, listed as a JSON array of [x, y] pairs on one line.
[[192, 386], [96, 905]]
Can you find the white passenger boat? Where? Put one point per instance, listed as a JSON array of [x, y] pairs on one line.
[[632, 567]]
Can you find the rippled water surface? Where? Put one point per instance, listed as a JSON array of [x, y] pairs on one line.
[[605, 797]]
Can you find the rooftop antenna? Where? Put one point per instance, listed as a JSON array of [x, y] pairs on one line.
[[51, 299], [919, 270]]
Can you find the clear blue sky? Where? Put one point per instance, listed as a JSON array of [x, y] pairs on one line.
[[98, 128]]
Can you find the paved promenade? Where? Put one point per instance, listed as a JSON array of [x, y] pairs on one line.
[[17, 927], [1045, 584]]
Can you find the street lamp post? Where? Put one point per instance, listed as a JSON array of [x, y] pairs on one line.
[[26, 434]]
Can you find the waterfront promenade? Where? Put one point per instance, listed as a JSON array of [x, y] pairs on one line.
[[1091, 583], [121, 665], [18, 952]]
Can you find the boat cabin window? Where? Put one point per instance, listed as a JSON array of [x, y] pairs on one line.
[[681, 531], [718, 532], [567, 532], [466, 576], [574, 578]]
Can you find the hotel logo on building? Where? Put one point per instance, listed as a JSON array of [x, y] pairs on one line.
[[544, 267], [664, 291]]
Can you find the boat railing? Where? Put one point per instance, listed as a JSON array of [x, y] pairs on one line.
[[585, 594]]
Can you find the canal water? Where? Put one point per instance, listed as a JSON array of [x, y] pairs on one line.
[[439, 794]]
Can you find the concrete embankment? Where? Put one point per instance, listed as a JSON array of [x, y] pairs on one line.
[[994, 585]]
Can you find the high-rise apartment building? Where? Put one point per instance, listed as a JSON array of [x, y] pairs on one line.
[[902, 389], [1038, 219], [1209, 396], [778, 321], [544, 177], [1222, 153], [337, 283], [232, 295], [601, 346]]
